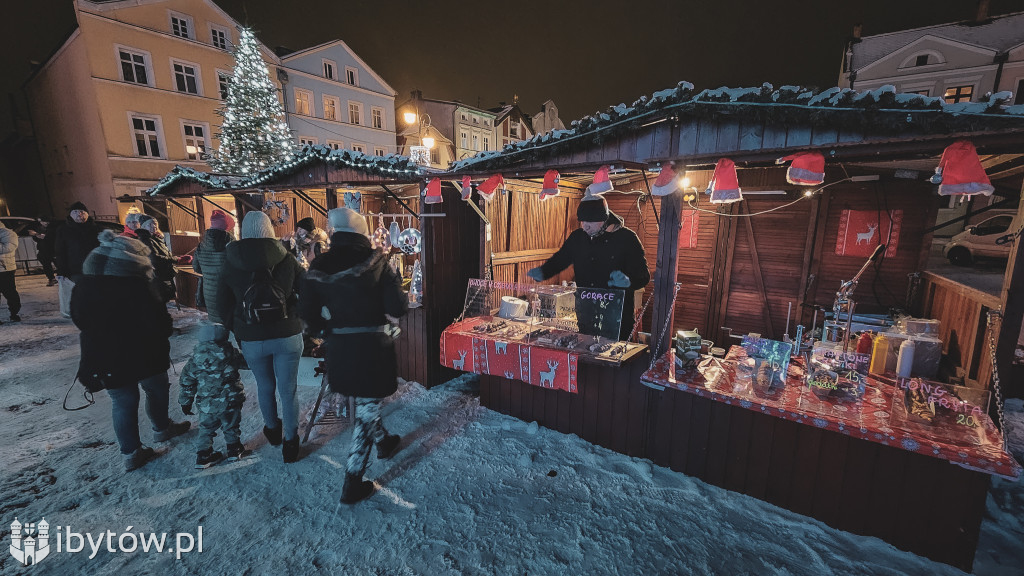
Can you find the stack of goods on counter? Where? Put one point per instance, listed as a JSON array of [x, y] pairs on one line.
[[943, 411], [911, 348], [837, 375], [766, 365]]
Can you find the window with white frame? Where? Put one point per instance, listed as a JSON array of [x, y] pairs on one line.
[[329, 69], [465, 139], [957, 94], [304, 140], [378, 151], [487, 145], [195, 138], [146, 130], [352, 75], [186, 77], [181, 25], [358, 148], [355, 113], [223, 81], [476, 142], [377, 117], [331, 108], [335, 144], [134, 66], [303, 102], [220, 37]]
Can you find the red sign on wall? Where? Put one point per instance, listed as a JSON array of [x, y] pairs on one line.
[[861, 230], [688, 229]]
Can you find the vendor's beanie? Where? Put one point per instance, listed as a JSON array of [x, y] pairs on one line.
[[221, 220], [77, 206], [118, 256], [592, 209], [256, 224], [348, 220], [306, 224]]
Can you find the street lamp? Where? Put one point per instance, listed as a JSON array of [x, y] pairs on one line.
[[420, 154]]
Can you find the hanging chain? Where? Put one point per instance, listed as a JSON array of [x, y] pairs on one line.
[[637, 321], [668, 321], [995, 372]]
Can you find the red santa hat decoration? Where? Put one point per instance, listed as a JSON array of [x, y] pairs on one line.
[[960, 172], [667, 182], [806, 168], [432, 191], [724, 186], [601, 183], [550, 190], [489, 186], [467, 187]]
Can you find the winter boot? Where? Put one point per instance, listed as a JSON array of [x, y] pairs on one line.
[[175, 429], [51, 282], [207, 458], [138, 458], [273, 435], [15, 318], [290, 450], [355, 489], [388, 446], [237, 451]]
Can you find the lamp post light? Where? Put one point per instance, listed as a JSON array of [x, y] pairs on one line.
[[420, 154]]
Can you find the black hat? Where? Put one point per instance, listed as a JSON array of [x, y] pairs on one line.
[[306, 224], [77, 206], [594, 209]]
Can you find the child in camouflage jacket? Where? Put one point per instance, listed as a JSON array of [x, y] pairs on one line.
[[211, 382]]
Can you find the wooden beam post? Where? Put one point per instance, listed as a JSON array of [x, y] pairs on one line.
[[1013, 308], [766, 312], [666, 270]]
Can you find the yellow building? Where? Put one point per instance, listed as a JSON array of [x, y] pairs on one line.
[[130, 94]]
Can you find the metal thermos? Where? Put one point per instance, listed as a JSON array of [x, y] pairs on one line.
[[905, 361], [879, 354]]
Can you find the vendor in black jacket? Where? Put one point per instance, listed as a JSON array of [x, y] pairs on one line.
[[604, 254]]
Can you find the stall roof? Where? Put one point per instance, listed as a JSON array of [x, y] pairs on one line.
[[881, 114], [360, 169]]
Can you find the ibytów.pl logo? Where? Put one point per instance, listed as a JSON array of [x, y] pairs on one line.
[[30, 543]]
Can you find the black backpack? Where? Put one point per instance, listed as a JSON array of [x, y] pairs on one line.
[[264, 302]]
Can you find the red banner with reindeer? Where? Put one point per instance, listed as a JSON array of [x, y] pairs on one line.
[[473, 352], [861, 230]]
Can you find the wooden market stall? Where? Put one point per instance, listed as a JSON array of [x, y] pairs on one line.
[[741, 266]]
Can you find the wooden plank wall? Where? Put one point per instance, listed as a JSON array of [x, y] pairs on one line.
[[962, 312], [411, 347]]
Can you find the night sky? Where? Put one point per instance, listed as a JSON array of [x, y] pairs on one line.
[[584, 54]]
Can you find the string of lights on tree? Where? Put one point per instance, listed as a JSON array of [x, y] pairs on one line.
[[254, 135]]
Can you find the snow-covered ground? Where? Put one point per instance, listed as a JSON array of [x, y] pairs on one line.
[[470, 492]]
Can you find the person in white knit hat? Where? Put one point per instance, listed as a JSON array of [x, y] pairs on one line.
[[359, 289]]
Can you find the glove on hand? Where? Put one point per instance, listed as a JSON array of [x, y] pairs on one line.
[[186, 409], [618, 280], [535, 274]]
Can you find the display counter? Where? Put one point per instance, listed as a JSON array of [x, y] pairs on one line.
[[858, 463]]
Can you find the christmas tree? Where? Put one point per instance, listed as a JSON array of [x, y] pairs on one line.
[[254, 134]]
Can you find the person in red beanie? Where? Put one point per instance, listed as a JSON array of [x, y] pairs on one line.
[[209, 259]]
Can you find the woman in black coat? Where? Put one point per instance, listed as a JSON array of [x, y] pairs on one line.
[[124, 341], [160, 255], [359, 289]]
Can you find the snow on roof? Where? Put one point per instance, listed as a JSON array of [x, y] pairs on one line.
[[882, 109], [1001, 33], [391, 164]]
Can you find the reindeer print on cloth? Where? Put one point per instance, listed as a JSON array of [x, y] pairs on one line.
[[463, 349], [860, 231]]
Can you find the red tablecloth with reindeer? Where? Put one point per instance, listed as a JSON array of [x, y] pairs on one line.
[[875, 417], [464, 349]]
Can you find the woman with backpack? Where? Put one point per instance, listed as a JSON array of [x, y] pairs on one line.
[[256, 296]]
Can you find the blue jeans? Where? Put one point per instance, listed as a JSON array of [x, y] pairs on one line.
[[124, 404], [275, 364]]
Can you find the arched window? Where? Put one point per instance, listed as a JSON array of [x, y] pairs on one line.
[[923, 58]]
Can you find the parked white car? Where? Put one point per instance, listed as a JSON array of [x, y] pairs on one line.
[[981, 240]]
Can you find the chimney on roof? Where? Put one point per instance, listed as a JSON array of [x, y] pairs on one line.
[[417, 94], [857, 29], [982, 13]]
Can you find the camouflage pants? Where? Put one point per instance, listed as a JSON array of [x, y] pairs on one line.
[[227, 420], [367, 430]]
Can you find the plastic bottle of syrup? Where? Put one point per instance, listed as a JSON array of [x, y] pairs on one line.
[[905, 361], [879, 354]]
